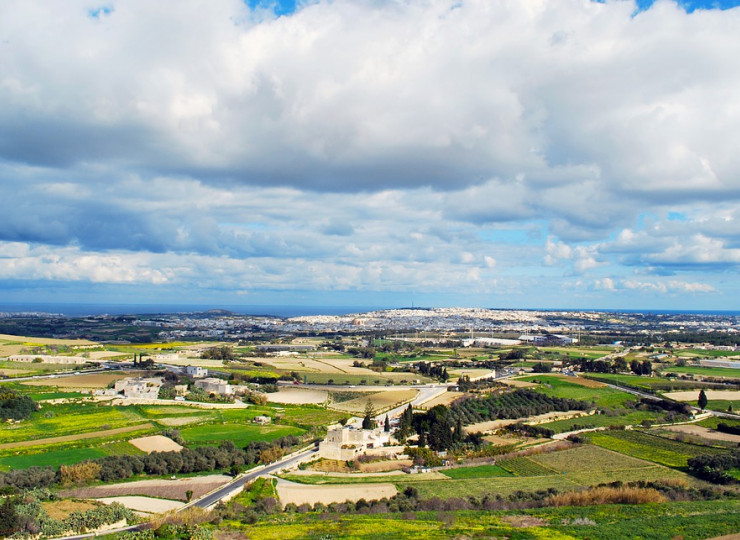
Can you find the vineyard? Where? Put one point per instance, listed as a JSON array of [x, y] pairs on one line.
[[522, 466], [520, 403]]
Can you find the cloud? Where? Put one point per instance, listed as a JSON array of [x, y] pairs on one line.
[[394, 145]]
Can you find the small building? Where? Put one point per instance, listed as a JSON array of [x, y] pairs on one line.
[[213, 385], [262, 420], [345, 443], [181, 389], [139, 387], [196, 372]]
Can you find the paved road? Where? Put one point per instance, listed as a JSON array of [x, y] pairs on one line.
[[656, 398], [237, 484], [232, 488]]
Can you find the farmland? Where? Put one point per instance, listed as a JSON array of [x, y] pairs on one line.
[[239, 434], [696, 521], [561, 387], [380, 401], [650, 447]]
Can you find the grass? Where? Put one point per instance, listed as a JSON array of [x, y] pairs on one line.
[[68, 419], [240, 434], [666, 452], [707, 371], [54, 456], [706, 353], [523, 466], [307, 416], [628, 418], [562, 388], [482, 471], [587, 458]]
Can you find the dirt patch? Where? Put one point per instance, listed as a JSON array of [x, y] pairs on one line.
[[298, 396], [380, 401], [693, 395], [517, 383], [445, 399], [502, 441], [182, 421], [62, 509], [166, 489], [386, 466], [524, 521], [95, 380], [11, 372], [704, 433], [588, 383], [67, 438], [290, 492], [144, 504], [156, 443], [329, 465]]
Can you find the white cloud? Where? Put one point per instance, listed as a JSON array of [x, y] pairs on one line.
[[381, 145]]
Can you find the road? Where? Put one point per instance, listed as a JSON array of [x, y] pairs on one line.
[[232, 488], [656, 398], [236, 485]]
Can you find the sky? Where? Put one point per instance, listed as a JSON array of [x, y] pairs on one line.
[[494, 153]]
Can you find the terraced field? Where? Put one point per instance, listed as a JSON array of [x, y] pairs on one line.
[[650, 447]]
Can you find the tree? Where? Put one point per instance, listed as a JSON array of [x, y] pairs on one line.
[[9, 519], [702, 400], [367, 421], [387, 426]]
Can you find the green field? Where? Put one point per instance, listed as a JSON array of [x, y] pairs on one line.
[[562, 388], [650, 447], [578, 467], [240, 434], [629, 418], [68, 419], [523, 466], [727, 373], [702, 353], [688, 520], [481, 471]]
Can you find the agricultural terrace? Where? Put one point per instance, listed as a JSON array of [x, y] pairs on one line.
[[720, 372], [695, 519], [380, 401], [73, 432], [705, 353], [565, 470], [650, 447], [576, 388]]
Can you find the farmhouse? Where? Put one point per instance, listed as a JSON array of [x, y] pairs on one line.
[[262, 420], [139, 387], [345, 443], [214, 386], [196, 371]]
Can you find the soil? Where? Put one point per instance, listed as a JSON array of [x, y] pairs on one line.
[[693, 395], [166, 489], [62, 509], [298, 396], [290, 492], [704, 433], [156, 443], [144, 504]]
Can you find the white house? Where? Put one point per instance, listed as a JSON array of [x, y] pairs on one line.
[[196, 371], [345, 443], [139, 387], [215, 386]]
